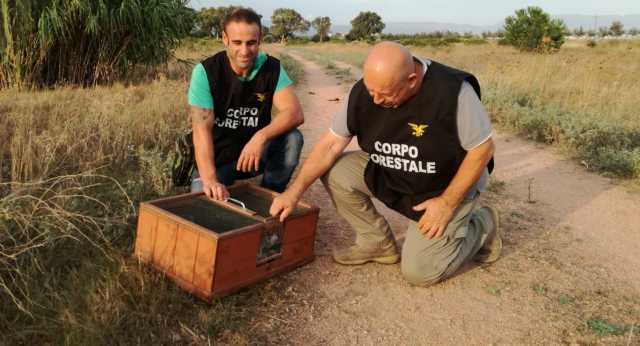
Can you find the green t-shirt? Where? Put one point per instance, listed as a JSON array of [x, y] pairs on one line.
[[200, 93]]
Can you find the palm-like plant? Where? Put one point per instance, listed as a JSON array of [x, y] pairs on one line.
[[47, 42]]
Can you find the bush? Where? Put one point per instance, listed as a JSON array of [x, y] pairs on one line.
[[85, 42], [365, 26], [532, 29], [293, 67], [337, 37], [434, 39], [604, 145], [299, 40], [269, 38]]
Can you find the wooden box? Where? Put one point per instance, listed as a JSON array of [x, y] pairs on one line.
[[212, 248]]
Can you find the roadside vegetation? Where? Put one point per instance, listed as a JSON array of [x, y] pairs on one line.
[[74, 165], [45, 43]]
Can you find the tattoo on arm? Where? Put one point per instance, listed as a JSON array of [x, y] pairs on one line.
[[199, 115]]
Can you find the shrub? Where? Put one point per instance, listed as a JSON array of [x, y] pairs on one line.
[[532, 29], [365, 26], [85, 42]]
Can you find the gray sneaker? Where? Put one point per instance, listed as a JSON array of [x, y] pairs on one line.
[[357, 255], [492, 247]]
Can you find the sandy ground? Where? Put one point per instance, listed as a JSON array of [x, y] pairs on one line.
[[569, 269]]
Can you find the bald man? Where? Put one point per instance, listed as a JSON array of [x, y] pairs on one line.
[[426, 145]]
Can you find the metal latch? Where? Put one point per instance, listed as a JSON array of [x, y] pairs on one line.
[[270, 241]]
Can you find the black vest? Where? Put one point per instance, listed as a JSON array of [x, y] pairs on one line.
[[414, 149], [241, 107]]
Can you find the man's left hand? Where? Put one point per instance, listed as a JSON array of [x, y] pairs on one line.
[[249, 159], [436, 217]]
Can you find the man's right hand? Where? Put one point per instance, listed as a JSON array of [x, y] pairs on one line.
[[214, 189], [284, 205]]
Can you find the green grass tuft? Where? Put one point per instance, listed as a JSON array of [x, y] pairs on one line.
[[604, 328]]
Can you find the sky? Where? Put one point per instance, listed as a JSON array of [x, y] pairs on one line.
[[445, 11]]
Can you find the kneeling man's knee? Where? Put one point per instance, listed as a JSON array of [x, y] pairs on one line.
[[422, 273], [294, 140], [291, 143]]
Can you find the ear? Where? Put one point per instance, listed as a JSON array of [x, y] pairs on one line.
[[412, 80], [225, 38]]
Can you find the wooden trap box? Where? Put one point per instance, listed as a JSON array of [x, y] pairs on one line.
[[212, 248]]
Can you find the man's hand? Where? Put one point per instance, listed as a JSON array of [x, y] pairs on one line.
[[284, 204], [214, 189], [249, 159], [436, 216]]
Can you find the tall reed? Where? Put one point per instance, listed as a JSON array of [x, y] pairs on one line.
[[48, 42]]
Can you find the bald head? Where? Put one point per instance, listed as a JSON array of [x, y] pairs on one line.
[[388, 70], [388, 62]]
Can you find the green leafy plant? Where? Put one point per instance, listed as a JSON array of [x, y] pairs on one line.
[[364, 26], [285, 22], [532, 29], [50, 42], [604, 328], [322, 26]]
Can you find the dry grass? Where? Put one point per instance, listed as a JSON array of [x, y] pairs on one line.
[[75, 162], [73, 165], [582, 80], [71, 130], [61, 210]]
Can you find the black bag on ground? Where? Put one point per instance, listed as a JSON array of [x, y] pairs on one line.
[[183, 161]]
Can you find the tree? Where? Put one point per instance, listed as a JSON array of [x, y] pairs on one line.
[[633, 31], [322, 26], [210, 19], [532, 29], [337, 37], [579, 32], [285, 22], [207, 20], [616, 28], [365, 25], [603, 31]]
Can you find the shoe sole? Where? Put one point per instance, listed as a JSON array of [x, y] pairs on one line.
[[498, 236], [382, 260]]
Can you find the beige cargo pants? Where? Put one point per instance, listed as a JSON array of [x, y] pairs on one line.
[[424, 261]]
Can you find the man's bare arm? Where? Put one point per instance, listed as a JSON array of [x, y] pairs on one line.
[[202, 122], [470, 170], [289, 113], [321, 159]]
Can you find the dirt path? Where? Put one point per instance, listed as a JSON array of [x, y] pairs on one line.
[[570, 270]]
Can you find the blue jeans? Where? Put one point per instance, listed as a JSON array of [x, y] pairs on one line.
[[278, 161]]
